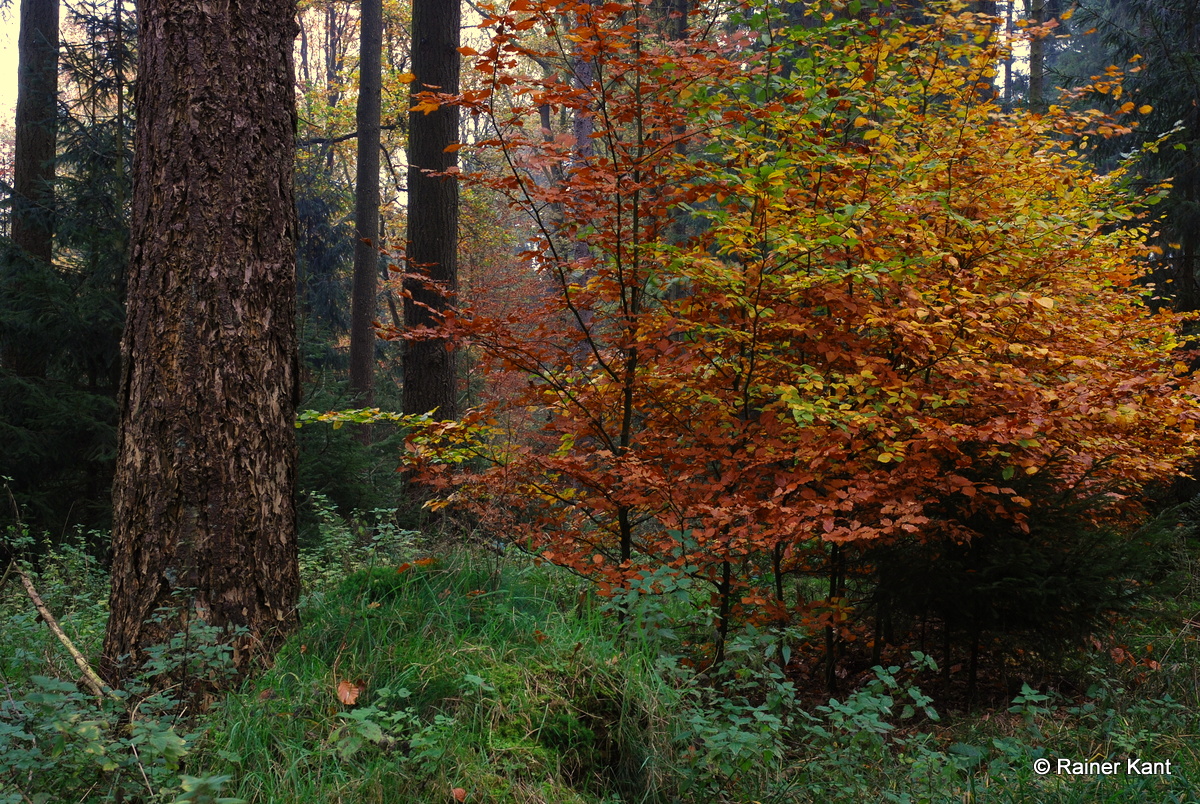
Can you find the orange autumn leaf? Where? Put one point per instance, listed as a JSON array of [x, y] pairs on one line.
[[348, 692]]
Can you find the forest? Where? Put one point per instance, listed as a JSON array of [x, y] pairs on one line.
[[601, 402]]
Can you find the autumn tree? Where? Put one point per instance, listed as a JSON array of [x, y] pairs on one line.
[[203, 498], [908, 317]]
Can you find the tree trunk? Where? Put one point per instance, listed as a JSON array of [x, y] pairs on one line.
[[1037, 55], [33, 170], [37, 110], [430, 365], [672, 17], [366, 205], [203, 496]]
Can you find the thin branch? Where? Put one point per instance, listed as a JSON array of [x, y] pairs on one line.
[[343, 137], [93, 681], [90, 677]]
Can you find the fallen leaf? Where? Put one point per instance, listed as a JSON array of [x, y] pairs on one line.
[[458, 793], [348, 692]]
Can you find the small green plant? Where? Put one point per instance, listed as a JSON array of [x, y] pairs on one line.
[[345, 545], [1030, 705], [58, 743], [390, 725]]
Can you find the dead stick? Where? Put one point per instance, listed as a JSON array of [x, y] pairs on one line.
[[94, 682]]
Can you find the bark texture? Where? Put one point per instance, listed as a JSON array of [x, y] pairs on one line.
[[430, 365], [203, 496], [366, 204]]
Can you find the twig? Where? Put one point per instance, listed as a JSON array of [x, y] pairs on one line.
[[90, 677], [93, 681], [343, 137]]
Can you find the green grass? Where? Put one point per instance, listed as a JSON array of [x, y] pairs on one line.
[[489, 674], [545, 704]]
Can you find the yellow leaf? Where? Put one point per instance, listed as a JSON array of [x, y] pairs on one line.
[[886, 457], [1044, 302], [870, 135], [406, 78], [1147, 109], [861, 121]]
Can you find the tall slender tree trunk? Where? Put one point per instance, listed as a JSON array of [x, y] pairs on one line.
[[203, 497], [366, 204], [1037, 55], [430, 365], [1008, 61], [33, 169], [37, 111]]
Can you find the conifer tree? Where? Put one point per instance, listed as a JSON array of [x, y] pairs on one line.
[[430, 367], [59, 428], [203, 501], [366, 203]]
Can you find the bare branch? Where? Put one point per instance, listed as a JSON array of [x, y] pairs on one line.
[[343, 137]]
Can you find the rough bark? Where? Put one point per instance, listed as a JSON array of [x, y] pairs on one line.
[[203, 496], [430, 365], [366, 204], [33, 171]]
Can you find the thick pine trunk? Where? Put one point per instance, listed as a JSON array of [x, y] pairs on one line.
[[430, 366], [203, 496]]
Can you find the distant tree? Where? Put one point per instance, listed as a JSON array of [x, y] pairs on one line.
[[366, 203], [430, 367], [1157, 43], [33, 174], [203, 497], [58, 425], [324, 254]]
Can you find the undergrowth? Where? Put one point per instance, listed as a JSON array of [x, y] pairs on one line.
[[479, 676]]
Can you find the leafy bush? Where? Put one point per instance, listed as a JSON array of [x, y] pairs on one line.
[[59, 744]]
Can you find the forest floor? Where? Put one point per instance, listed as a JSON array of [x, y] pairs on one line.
[[469, 675]]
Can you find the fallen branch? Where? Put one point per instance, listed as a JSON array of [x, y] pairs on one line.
[[90, 677]]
